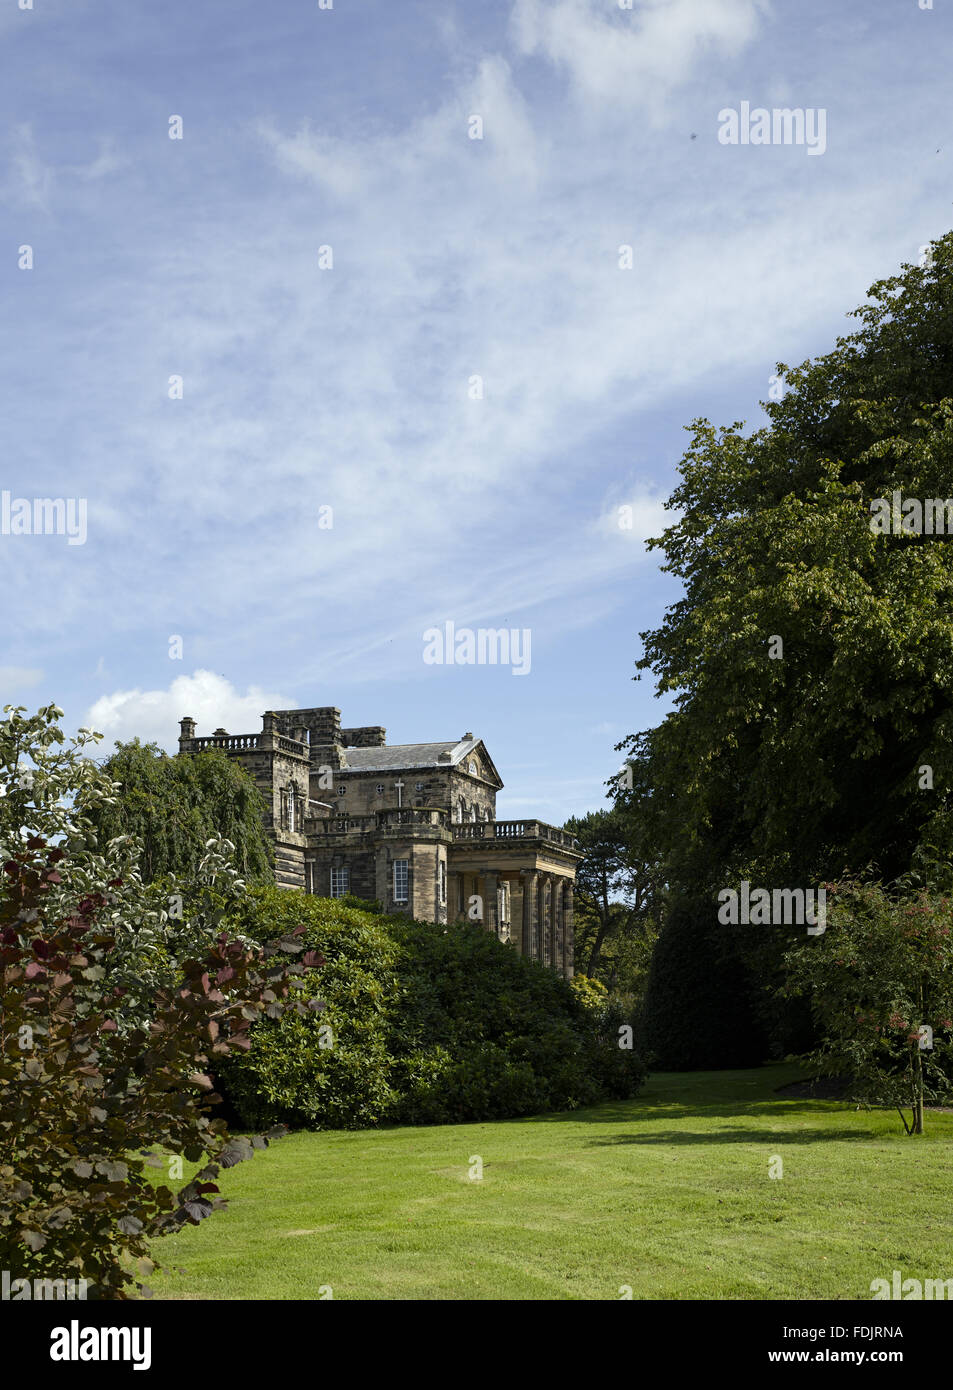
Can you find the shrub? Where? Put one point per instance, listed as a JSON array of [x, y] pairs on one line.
[[882, 970], [428, 1025], [82, 1101], [296, 1071], [114, 1000], [592, 993]]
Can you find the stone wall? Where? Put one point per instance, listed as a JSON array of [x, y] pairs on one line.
[[356, 791]]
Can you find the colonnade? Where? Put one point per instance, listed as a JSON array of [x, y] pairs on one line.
[[537, 911]]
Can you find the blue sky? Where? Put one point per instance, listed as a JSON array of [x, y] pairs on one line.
[[349, 387]]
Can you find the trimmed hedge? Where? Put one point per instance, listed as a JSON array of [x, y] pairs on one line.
[[428, 1025]]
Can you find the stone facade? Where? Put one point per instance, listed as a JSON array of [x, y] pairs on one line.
[[411, 825]]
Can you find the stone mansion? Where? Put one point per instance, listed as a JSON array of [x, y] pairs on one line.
[[412, 825]]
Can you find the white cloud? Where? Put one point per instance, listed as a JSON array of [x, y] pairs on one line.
[[635, 517], [153, 715], [637, 57], [324, 158]]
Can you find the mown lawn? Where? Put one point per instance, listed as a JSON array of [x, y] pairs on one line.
[[668, 1194]]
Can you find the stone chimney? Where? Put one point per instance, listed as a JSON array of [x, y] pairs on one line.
[[369, 736], [327, 749], [186, 733]]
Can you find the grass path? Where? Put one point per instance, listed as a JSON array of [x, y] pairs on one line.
[[668, 1194]]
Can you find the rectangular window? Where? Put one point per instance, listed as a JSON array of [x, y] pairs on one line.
[[340, 881], [443, 881], [401, 880]]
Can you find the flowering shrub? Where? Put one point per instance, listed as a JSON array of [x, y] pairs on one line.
[[111, 1010], [882, 970]]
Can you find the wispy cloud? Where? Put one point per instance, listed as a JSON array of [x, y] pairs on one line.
[[634, 58], [32, 179], [479, 383]]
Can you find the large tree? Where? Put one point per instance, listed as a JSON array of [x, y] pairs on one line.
[[174, 805], [811, 657], [617, 893]]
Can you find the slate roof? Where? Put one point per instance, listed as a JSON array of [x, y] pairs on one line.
[[399, 756]]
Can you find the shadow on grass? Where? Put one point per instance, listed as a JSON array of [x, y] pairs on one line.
[[771, 1137], [648, 1108]]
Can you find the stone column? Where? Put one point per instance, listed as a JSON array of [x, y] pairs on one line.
[[505, 898], [569, 967], [554, 922], [530, 913], [491, 918], [558, 926], [546, 920]]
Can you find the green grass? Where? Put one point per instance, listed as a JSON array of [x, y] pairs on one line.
[[668, 1193]]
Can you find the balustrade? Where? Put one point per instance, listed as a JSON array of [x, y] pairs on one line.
[[238, 742]]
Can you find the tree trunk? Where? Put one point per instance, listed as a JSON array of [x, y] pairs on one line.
[[917, 1092], [597, 946], [918, 1077], [601, 933]]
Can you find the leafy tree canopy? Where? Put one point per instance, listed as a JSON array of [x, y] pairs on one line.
[[617, 889], [175, 805], [831, 749]]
